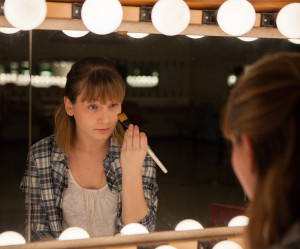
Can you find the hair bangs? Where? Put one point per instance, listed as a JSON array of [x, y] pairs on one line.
[[104, 86]]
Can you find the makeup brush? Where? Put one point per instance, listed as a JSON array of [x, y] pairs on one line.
[[125, 123]]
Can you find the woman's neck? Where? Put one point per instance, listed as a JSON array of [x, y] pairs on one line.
[[91, 146]]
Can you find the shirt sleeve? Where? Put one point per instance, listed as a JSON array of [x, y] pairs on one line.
[[39, 225], [150, 189]]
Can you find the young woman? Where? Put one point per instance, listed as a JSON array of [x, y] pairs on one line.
[[262, 120], [89, 173]]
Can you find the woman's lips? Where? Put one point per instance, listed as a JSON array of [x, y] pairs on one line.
[[103, 130]]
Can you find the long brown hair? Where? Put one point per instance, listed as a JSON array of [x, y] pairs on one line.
[[265, 106], [98, 79]]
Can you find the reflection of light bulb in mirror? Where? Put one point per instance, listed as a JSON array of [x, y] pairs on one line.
[[11, 238], [247, 39], [74, 233], [134, 228], [240, 220], [25, 14], [102, 16], [9, 30], [75, 33], [288, 20], [295, 41], [227, 244], [170, 17], [166, 247], [188, 224], [195, 36], [236, 17], [137, 35]]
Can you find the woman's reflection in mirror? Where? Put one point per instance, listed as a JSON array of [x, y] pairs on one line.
[[90, 173]]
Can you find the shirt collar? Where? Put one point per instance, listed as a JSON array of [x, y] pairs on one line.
[[114, 149], [57, 153]]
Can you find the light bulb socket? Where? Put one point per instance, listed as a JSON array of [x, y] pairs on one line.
[[209, 17], [76, 10], [145, 14], [268, 20], [1, 7]]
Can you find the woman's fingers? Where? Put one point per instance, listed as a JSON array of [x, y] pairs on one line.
[[136, 137], [133, 138], [143, 140]]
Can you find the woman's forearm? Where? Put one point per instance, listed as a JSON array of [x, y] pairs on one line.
[[134, 205]]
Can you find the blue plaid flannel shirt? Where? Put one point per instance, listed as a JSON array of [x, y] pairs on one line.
[[49, 179]]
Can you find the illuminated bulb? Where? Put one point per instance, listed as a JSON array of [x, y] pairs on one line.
[[195, 36], [102, 16], [170, 17], [9, 30], [75, 33], [137, 35], [240, 220], [288, 20], [165, 247], [236, 17], [295, 41], [11, 238], [134, 228], [247, 39], [188, 224], [227, 244], [74, 233], [25, 14]]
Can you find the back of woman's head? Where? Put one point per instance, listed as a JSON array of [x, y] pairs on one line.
[[265, 106], [96, 79]]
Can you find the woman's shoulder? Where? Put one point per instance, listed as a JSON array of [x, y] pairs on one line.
[[43, 147], [291, 240]]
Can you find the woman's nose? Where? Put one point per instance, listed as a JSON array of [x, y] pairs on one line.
[[103, 116]]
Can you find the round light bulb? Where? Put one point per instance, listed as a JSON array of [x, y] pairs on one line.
[[137, 35], [25, 14], [166, 247], [170, 17], [9, 30], [74, 233], [134, 228], [11, 238], [188, 224], [227, 244], [295, 41], [288, 20], [102, 16], [195, 36], [247, 39], [237, 221], [75, 33], [236, 17]]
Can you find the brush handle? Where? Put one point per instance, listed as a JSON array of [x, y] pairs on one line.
[[158, 162]]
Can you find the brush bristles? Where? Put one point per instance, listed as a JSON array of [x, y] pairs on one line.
[[122, 117]]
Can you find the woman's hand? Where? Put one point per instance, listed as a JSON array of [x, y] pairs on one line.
[[133, 151]]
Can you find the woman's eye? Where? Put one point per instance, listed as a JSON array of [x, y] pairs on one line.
[[113, 105], [92, 107]]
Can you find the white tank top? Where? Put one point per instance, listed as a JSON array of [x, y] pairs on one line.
[[100, 204]]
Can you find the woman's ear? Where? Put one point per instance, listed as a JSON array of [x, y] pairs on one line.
[[248, 152], [68, 106]]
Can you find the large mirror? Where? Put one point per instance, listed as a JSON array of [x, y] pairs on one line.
[[177, 103]]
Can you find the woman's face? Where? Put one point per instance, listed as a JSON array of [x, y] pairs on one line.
[[242, 164], [93, 119]]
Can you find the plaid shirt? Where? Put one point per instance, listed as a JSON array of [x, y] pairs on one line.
[[49, 179]]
